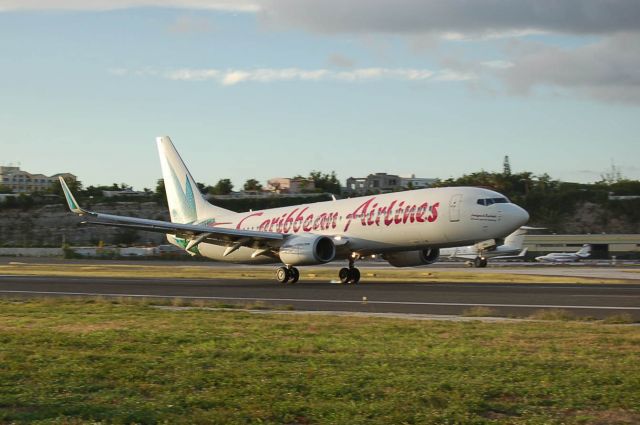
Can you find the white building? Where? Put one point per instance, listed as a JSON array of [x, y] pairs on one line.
[[20, 181], [413, 182], [289, 185], [384, 183]]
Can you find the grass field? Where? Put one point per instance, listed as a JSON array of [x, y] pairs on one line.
[[306, 273], [79, 361]]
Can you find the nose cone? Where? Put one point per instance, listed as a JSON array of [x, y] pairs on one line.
[[520, 216]]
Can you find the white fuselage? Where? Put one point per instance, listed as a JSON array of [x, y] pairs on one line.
[[401, 221]]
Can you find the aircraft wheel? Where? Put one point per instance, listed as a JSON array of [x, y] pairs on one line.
[[295, 275], [354, 275], [282, 274], [483, 262], [477, 262], [343, 274]]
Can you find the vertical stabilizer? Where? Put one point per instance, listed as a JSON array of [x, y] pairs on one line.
[[186, 203], [585, 251], [516, 239]]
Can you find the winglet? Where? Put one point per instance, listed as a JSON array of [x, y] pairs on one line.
[[73, 204]]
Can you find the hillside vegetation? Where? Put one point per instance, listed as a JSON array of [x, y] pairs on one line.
[[561, 207]]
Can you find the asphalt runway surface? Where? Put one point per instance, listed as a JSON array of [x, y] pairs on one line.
[[376, 297]]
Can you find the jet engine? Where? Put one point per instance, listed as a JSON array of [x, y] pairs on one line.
[[413, 258], [307, 250]]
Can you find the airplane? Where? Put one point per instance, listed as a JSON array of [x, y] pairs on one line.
[[477, 255], [566, 257], [405, 228]]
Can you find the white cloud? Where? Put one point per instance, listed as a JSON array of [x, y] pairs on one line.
[[606, 70], [452, 75], [226, 5], [497, 64], [232, 77], [193, 74], [457, 18], [490, 35]]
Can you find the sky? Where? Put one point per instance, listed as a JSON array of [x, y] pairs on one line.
[[276, 88]]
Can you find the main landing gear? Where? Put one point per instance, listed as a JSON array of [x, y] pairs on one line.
[[290, 274], [287, 274], [480, 262], [350, 274]]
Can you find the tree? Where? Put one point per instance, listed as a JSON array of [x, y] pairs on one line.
[[161, 192], [223, 187], [325, 182], [126, 236], [252, 184], [74, 185], [5, 189]]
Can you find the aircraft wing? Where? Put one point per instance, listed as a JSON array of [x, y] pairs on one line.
[[196, 233]]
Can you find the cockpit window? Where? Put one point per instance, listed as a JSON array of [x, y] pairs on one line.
[[490, 201]]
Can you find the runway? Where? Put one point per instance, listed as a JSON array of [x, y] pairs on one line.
[[379, 297]]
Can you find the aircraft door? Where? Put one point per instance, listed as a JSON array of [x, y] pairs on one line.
[[454, 207]]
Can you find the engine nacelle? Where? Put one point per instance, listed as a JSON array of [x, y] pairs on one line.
[[413, 258], [307, 250]]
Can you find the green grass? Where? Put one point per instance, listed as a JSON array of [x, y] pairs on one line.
[[118, 361]]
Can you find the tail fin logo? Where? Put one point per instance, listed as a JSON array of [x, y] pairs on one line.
[[186, 204], [185, 210]]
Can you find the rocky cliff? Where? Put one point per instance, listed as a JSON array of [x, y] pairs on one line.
[[53, 225]]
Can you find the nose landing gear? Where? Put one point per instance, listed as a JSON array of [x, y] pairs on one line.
[[287, 274], [350, 274], [480, 262]]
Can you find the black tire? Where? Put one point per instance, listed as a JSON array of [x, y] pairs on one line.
[[294, 275], [477, 262], [354, 276], [344, 275], [282, 274], [483, 262]]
